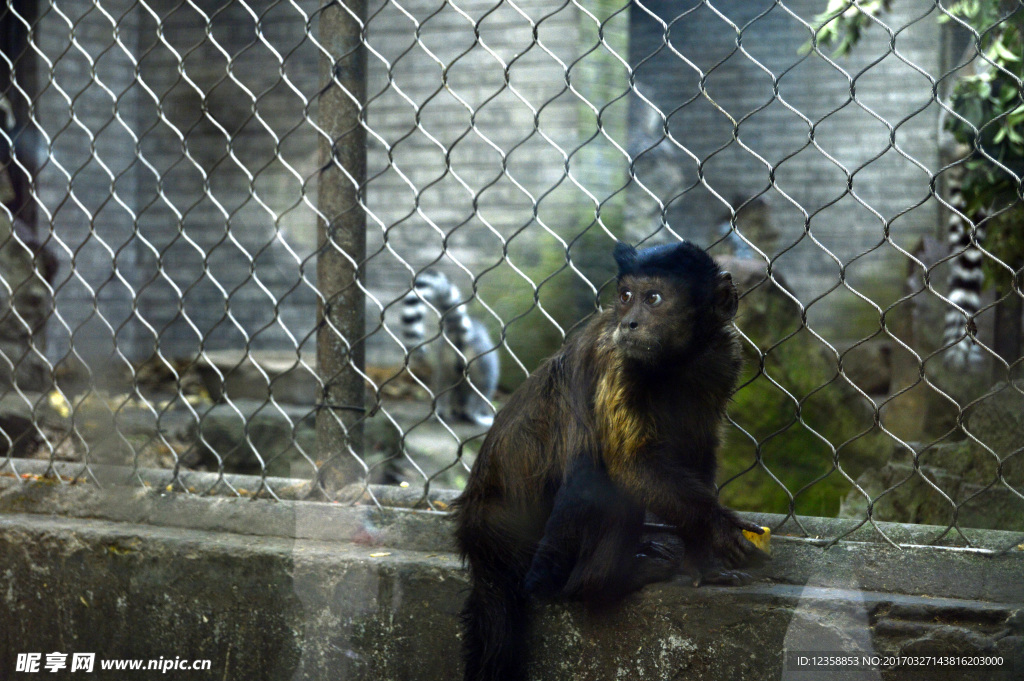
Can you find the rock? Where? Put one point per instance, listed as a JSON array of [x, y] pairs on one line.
[[382, 443], [18, 436], [869, 366], [428, 444], [258, 374], [108, 429], [998, 421], [964, 471], [243, 433], [913, 500]]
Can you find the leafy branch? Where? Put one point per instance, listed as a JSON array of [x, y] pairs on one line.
[[987, 106]]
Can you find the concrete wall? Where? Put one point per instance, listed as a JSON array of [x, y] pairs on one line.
[[301, 590]]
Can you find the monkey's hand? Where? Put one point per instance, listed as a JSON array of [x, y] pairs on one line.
[[727, 549], [744, 525], [548, 572], [728, 543]]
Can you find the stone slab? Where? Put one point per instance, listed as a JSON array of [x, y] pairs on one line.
[[279, 608]]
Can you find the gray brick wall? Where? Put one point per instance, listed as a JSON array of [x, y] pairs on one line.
[[86, 104], [449, 90], [805, 181], [192, 187], [169, 218], [220, 193], [221, 181]]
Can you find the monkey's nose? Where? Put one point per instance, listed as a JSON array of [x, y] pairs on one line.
[[633, 325]]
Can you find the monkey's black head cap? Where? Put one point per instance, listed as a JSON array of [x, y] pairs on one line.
[[683, 261]]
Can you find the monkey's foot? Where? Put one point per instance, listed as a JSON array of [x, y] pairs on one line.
[[657, 550], [548, 573], [723, 578]]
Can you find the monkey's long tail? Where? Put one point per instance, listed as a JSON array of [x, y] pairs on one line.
[[494, 621]]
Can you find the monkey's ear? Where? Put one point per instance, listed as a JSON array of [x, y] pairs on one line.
[[625, 257], [726, 297]]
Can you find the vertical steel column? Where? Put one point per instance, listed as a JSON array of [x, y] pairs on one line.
[[342, 243]]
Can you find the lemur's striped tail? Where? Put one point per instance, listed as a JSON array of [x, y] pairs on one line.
[[966, 278], [430, 287], [463, 364]]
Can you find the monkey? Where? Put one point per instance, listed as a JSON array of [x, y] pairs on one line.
[[464, 367], [622, 421]]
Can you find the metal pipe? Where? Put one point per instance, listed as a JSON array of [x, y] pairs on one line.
[[341, 325]]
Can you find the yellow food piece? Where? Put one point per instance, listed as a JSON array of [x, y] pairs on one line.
[[761, 541], [59, 404]]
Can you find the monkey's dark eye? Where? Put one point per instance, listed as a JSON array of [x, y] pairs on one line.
[[653, 299], [625, 295]]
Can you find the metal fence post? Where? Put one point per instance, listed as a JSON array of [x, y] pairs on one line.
[[342, 242]]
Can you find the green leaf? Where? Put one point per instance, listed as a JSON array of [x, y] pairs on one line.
[[1003, 52]]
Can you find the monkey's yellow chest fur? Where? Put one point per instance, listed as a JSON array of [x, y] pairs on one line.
[[622, 427]]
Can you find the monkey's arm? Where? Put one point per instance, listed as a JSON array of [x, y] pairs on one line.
[[559, 548], [673, 492], [591, 546]]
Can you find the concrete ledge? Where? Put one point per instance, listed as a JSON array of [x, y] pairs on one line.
[[271, 607], [143, 482], [310, 590], [321, 521], [219, 484], [866, 562]]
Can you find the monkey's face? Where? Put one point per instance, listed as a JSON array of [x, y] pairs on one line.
[[672, 299], [655, 316]]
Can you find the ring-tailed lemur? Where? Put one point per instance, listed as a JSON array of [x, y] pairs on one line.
[[966, 278], [462, 361]]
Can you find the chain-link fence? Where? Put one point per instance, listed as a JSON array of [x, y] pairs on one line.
[[275, 248]]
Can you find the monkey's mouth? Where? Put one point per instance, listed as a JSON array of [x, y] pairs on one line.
[[637, 348]]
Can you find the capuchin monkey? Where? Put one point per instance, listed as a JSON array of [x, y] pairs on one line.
[[622, 421]]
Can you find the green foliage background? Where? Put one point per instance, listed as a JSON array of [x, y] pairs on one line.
[[806, 436]]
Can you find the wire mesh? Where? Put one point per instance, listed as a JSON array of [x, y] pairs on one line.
[[172, 218]]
